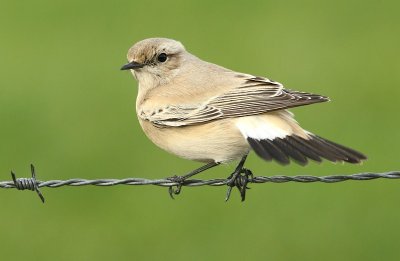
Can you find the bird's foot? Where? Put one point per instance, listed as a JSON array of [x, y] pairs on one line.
[[240, 178], [180, 181]]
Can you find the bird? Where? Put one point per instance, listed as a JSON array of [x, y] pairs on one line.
[[204, 112]]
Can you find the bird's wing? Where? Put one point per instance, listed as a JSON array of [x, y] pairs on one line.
[[254, 96], [181, 115]]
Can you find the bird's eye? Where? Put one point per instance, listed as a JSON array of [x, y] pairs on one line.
[[162, 57]]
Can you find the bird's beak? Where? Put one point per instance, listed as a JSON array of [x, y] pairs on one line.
[[132, 66]]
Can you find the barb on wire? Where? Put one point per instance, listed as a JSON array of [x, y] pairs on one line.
[[27, 183], [241, 183]]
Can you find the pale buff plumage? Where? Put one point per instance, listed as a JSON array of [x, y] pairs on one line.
[[204, 112]]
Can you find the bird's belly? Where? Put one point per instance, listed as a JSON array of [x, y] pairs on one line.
[[218, 141]]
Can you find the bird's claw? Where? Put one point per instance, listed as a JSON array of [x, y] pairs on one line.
[[175, 191], [239, 180]]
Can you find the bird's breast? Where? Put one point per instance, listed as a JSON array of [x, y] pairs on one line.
[[218, 141]]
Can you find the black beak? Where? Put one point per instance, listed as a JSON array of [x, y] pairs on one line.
[[132, 66]]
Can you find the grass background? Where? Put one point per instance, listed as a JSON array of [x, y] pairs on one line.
[[66, 107]]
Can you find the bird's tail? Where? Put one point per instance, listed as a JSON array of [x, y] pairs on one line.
[[277, 136], [300, 149]]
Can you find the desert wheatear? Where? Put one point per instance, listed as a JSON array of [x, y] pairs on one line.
[[201, 111]]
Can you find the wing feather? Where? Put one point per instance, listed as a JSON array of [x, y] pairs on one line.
[[256, 96]]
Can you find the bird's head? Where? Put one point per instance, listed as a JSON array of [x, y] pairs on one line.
[[155, 61]]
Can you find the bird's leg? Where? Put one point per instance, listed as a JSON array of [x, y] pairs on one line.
[[238, 180], [181, 179]]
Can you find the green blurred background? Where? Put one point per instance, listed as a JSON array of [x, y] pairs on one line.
[[66, 107]]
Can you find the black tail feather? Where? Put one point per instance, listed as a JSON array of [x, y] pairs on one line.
[[355, 155], [291, 151], [304, 149], [275, 152], [259, 149], [300, 150]]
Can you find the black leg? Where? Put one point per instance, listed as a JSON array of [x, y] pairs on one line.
[[181, 179], [238, 180]]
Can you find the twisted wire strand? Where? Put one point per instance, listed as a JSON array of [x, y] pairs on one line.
[[242, 181], [210, 182]]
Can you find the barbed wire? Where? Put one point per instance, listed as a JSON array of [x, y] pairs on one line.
[[241, 182]]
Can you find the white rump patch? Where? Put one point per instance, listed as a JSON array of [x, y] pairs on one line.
[[264, 127]]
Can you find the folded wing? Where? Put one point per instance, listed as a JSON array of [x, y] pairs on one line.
[[254, 96]]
